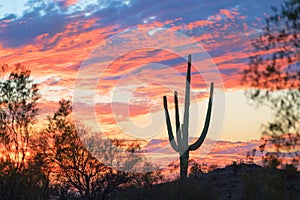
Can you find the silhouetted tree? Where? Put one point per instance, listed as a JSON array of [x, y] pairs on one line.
[[55, 162], [20, 176], [18, 109], [73, 168], [70, 165], [274, 75]]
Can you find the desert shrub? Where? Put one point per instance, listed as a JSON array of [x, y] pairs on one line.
[[266, 185]]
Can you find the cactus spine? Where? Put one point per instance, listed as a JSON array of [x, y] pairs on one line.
[[182, 132]]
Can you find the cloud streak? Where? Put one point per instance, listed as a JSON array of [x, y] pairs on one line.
[[53, 39]]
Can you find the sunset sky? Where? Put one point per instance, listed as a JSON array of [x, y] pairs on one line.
[[55, 40]]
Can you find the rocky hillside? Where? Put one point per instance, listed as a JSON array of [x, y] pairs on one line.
[[245, 181]]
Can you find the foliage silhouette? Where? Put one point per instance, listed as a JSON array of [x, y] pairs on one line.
[[53, 163], [18, 109], [20, 176], [274, 76], [76, 169]]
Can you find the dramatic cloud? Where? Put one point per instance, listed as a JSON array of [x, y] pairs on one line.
[[54, 38]]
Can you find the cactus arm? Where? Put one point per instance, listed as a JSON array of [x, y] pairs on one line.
[[187, 102], [178, 129], [200, 140], [169, 126]]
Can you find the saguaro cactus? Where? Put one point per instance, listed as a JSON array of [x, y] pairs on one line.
[[182, 132]]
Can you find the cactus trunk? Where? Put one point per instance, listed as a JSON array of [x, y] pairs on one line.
[[182, 132], [184, 162]]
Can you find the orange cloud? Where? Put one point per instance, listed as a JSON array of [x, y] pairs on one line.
[[68, 2], [55, 59]]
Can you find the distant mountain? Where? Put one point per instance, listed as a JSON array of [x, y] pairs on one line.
[[220, 153]]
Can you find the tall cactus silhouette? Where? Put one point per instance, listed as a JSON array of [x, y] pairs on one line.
[[182, 132]]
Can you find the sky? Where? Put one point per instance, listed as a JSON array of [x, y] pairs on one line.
[[117, 58]]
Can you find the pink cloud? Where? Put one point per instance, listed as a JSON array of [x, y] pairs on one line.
[[68, 2], [61, 55]]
